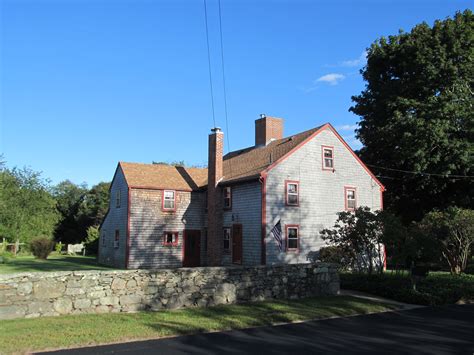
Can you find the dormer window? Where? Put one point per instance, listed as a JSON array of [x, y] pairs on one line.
[[328, 157], [227, 198], [117, 199], [169, 200], [292, 189]]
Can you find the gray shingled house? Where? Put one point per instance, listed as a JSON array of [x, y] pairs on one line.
[[164, 216]]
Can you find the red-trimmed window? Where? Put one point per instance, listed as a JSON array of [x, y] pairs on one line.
[[226, 239], [328, 157], [292, 192], [169, 200], [117, 199], [227, 197], [350, 198], [117, 239], [170, 239], [292, 237]]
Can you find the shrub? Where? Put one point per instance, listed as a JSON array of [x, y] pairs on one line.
[[92, 240], [5, 256], [41, 247], [437, 289], [58, 247], [335, 255]]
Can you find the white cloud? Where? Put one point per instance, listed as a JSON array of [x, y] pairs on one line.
[[331, 79], [355, 62], [346, 127]]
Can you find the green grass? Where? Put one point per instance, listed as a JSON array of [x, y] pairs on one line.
[[437, 289], [24, 335], [53, 263]]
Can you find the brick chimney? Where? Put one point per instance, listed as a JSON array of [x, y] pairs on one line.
[[268, 129], [214, 198]]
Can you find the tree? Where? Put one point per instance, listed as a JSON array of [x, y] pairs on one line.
[[358, 235], [95, 204], [453, 231], [417, 116], [27, 207]]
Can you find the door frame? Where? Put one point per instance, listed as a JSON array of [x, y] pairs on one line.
[[185, 232], [241, 244]]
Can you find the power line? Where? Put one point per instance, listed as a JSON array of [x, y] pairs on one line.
[[223, 78], [424, 173], [209, 63]]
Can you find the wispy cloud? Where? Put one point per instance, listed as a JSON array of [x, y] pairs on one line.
[[355, 62], [347, 127], [331, 79]]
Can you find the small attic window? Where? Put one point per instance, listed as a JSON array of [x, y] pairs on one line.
[[169, 200], [328, 157]]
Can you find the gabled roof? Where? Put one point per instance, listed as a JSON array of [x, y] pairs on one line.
[[248, 163], [161, 176]]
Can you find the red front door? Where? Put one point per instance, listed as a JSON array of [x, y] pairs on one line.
[[237, 244], [192, 248]]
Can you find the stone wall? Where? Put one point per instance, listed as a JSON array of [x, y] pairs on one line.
[[56, 293]]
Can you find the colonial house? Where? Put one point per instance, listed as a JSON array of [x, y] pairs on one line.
[[264, 204]]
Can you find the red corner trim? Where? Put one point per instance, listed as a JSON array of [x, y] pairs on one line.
[[127, 251], [264, 218], [286, 193]]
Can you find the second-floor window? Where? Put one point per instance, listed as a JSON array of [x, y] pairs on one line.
[[117, 199], [328, 158], [292, 193], [169, 200], [227, 239], [350, 202], [117, 239], [227, 197]]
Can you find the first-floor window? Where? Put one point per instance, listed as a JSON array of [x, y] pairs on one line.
[[104, 242], [169, 200], [170, 238], [117, 238], [350, 198], [117, 199], [227, 239], [292, 236]]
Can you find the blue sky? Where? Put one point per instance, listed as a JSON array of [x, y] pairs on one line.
[[85, 84]]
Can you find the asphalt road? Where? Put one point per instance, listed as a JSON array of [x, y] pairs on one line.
[[440, 330]]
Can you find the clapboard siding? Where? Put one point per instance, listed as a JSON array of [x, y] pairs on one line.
[[148, 223], [321, 195], [116, 219], [247, 210]]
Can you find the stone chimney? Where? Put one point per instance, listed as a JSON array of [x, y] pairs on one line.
[[214, 198], [268, 129]]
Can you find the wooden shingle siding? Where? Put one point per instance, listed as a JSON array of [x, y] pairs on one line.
[[116, 219], [321, 195], [148, 222], [246, 210]]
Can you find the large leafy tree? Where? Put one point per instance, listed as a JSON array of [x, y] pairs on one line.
[[417, 116], [27, 207]]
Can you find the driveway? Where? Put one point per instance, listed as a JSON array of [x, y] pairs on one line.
[[430, 330]]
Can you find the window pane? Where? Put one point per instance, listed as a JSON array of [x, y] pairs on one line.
[[169, 195], [351, 204], [226, 244], [293, 199], [169, 238], [169, 204], [351, 194], [292, 243], [292, 188], [327, 153], [328, 163]]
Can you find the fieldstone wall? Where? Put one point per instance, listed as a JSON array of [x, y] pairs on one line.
[[56, 293]]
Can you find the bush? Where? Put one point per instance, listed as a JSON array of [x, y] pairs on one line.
[[335, 255], [92, 240], [58, 247], [5, 256], [41, 247], [437, 289]]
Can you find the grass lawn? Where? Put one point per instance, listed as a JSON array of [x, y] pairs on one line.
[[53, 263], [25, 335]]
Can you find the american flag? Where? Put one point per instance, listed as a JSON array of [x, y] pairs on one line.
[[276, 232]]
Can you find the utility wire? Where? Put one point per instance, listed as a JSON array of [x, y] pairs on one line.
[[223, 79], [209, 63], [423, 173]]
